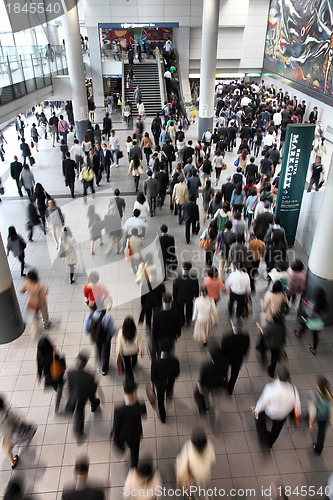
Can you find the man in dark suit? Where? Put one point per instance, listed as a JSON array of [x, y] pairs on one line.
[[191, 217], [232, 132], [188, 152], [107, 124], [127, 425], [313, 115], [135, 150], [120, 202], [82, 491], [166, 323], [262, 222], [82, 386], [15, 172], [69, 171], [167, 243], [33, 217], [227, 189], [105, 158], [26, 152], [150, 189], [212, 379], [164, 372], [235, 346], [185, 290]]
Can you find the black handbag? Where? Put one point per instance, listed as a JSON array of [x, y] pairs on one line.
[[120, 154], [200, 401], [32, 160]]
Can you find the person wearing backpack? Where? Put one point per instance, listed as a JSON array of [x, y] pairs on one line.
[[101, 328], [222, 215], [320, 410], [52, 367], [224, 241]]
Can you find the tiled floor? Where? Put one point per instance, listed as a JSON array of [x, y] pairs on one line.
[[47, 464]]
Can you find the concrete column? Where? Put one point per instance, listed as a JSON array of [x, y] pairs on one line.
[[210, 27], [96, 65], [53, 34], [11, 321], [70, 22], [320, 266]]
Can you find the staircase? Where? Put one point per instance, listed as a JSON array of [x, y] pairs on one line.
[[146, 76]]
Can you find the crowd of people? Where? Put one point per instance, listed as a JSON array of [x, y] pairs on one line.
[[240, 232]]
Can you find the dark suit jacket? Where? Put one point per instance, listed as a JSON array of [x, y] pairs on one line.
[[69, 169], [235, 347], [227, 190], [163, 181], [24, 147], [120, 205], [188, 153], [166, 324], [150, 188], [82, 386], [136, 150], [185, 288], [127, 426], [261, 224], [16, 169], [191, 211], [85, 494], [213, 373], [33, 217], [167, 243], [105, 159], [164, 371], [107, 124]]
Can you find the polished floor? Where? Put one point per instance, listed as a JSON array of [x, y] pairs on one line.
[[47, 464]]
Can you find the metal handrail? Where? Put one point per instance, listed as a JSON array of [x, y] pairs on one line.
[[160, 66]]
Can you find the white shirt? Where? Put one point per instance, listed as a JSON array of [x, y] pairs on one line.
[[76, 150], [202, 307], [114, 143], [278, 399], [143, 489], [269, 140], [245, 101], [132, 222], [144, 209], [167, 74], [238, 282], [198, 463], [277, 118]]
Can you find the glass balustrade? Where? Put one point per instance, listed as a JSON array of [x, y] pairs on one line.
[[26, 69]]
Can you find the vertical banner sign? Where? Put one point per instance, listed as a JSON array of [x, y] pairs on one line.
[[296, 156]]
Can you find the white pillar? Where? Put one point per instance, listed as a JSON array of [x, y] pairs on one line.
[[70, 22], [96, 65], [320, 266], [11, 321], [210, 27]]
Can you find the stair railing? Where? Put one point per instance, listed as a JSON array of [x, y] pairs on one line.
[[160, 66], [122, 87]]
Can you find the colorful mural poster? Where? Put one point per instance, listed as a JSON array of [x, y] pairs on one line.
[[299, 42]]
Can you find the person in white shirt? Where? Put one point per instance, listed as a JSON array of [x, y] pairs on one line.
[[269, 140], [277, 401], [135, 221], [238, 284], [193, 464], [114, 146], [277, 118], [245, 101], [143, 479], [77, 154]]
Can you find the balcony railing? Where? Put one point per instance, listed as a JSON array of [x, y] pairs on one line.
[[26, 69]]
